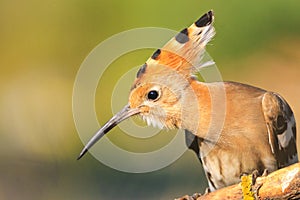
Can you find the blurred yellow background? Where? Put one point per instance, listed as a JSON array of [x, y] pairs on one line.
[[42, 45]]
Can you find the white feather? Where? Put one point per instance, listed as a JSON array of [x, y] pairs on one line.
[[153, 121]]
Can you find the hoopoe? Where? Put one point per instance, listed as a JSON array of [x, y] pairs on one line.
[[233, 128]]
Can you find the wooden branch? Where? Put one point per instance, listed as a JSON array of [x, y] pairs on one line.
[[281, 184]]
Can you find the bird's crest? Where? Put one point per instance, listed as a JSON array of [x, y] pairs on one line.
[[184, 52]]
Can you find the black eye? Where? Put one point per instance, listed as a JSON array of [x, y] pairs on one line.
[[152, 95]]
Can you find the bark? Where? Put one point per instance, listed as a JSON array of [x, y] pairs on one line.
[[281, 184]]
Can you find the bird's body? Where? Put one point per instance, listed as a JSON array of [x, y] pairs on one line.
[[233, 128], [253, 123]]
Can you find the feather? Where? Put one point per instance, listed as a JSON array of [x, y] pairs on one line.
[[281, 125]]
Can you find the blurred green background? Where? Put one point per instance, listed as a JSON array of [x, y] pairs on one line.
[[43, 43]]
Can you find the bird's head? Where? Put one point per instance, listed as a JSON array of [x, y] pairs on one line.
[[158, 98], [161, 90]]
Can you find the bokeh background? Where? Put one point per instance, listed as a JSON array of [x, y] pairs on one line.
[[42, 45]]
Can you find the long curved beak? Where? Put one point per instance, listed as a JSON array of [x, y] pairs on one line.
[[125, 113]]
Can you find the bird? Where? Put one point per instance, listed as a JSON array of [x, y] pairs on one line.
[[233, 128]]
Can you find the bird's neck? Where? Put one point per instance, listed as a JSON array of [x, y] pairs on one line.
[[205, 114]]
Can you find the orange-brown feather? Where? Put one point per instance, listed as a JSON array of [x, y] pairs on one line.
[[173, 61]]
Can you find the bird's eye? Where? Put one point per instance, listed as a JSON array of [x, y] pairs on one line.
[[153, 95]]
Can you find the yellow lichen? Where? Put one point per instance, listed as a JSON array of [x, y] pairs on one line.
[[246, 184]]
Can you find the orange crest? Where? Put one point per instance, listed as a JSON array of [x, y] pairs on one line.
[[184, 52]]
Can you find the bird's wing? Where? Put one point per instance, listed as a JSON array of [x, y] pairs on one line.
[[281, 128]]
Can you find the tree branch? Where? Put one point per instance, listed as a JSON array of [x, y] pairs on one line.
[[281, 184]]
